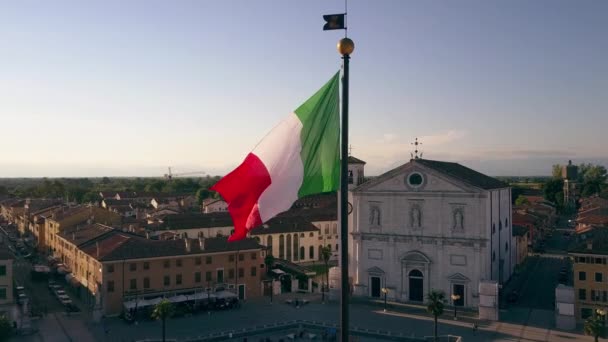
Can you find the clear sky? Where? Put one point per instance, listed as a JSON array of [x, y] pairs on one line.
[[94, 88]]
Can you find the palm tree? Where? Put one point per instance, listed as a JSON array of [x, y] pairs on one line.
[[269, 261], [435, 305], [325, 255], [594, 327], [162, 311]]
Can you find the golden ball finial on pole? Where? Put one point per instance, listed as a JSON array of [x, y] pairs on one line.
[[346, 46]]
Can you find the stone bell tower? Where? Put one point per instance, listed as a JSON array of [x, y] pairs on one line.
[[356, 175]]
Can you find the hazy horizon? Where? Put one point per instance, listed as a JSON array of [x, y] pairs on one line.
[[114, 88]]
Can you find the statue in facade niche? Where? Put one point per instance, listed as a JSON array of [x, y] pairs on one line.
[[415, 217], [374, 218], [458, 219]]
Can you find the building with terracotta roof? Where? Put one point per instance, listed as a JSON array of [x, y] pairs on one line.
[[590, 272], [114, 267], [521, 241], [212, 205], [6, 273]]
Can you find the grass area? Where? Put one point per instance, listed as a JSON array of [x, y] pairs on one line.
[[536, 186]]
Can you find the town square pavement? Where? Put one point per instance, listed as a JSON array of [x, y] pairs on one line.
[[523, 325]]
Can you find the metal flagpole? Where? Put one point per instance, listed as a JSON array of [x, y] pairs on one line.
[[345, 47]]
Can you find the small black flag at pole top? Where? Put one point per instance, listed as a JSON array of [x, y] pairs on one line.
[[334, 22]]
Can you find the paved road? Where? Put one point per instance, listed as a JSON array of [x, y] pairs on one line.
[[540, 279]]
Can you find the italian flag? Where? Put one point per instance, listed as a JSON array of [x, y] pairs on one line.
[[299, 157]]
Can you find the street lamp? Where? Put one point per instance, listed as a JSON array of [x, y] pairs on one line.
[[455, 297], [385, 292], [601, 313]]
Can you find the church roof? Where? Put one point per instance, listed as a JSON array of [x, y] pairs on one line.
[[353, 160], [463, 173], [453, 170]]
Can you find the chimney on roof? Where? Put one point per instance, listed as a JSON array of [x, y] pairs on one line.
[[187, 242], [97, 248], [201, 242], [590, 245]]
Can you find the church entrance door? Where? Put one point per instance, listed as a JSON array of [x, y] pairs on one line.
[[416, 286], [375, 287]]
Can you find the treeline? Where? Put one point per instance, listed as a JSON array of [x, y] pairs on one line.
[[591, 180], [86, 190]]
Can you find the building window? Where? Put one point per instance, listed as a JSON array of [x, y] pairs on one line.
[[506, 246], [231, 258], [133, 284], [178, 279], [146, 265], [178, 262], [254, 271], [111, 286], [231, 273], [132, 266], [493, 228], [197, 277], [146, 283], [302, 253], [337, 247], [604, 296], [241, 272], [326, 229], [598, 277], [208, 260], [241, 257], [110, 268], [3, 293], [197, 261], [582, 276], [311, 253], [208, 276], [167, 281], [281, 246], [582, 294], [166, 263], [493, 256], [254, 256], [2, 270]]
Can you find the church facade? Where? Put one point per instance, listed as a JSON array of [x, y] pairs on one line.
[[429, 225]]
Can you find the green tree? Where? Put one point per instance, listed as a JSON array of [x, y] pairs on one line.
[[202, 194], [162, 311], [3, 190], [105, 180], [269, 261], [521, 200], [435, 304], [6, 329], [556, 171], [593, 179], [594, 327], [553, 191], [325, 255]]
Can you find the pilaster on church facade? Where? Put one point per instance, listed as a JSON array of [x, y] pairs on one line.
[[429, 225]]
